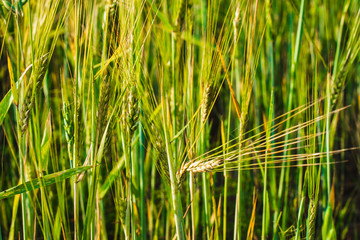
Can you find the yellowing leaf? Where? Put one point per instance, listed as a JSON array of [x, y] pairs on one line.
[[12, 81]]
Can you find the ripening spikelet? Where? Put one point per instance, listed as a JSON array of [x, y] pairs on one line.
[[69, 128], [199, 166], [208, 97], [37, 76], [236, 22], [310, 232], [132, 111]]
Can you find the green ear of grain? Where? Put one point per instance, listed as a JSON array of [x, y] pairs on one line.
[[42, 182]]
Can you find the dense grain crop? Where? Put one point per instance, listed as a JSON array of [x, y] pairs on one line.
[[185, 119]]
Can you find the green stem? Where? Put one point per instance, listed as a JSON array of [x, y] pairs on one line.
[[142, 182], [176, 198], [205, 189], [300, 215], [76, 120]]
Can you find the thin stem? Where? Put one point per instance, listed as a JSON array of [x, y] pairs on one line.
[[176, 199]]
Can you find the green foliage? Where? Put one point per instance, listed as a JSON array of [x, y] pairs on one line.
[[187, 119]]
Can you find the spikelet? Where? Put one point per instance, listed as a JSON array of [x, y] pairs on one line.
[[110, 8], [111, 13], [104, 99], [351, 52], [339, 81], [79, 134], [180, 19], [37, 76], [109, 134], [208, 97], [122, 209], [132, 111], [162, 161], [26, 106], [30, 172], [199, 166], [310, 232], [236, 22], [69, 128]]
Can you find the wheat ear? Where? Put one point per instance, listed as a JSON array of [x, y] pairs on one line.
[[311, 220], [132, 111], [36, 79], [208, 97]]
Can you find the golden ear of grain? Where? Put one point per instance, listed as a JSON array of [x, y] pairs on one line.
[[236, 22], [201, 166]]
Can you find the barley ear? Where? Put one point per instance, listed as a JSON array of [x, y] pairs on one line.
[[161, 159], [26, 106], [204, 166], [180, 19], [79, 133], [36, 78], [109, 134], [236, 22], [104, 99], [69, 128], [339, 81], [132, 111], [208, 97], [310, 232], [122, 209]]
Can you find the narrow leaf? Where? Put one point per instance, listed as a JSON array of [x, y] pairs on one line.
[[42, 181], [12, 81]]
